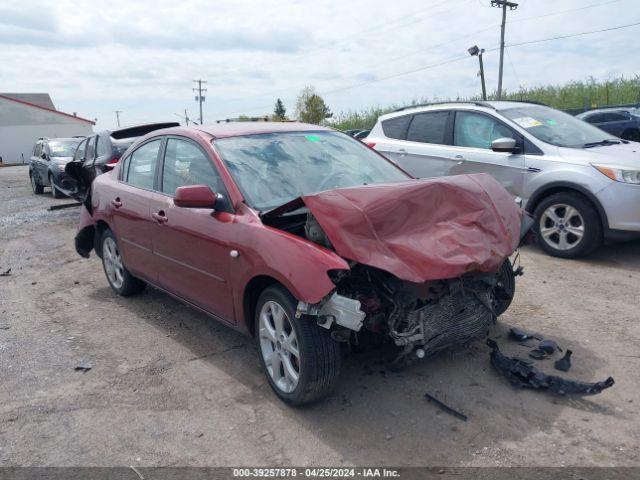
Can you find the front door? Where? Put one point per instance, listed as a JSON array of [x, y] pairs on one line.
[[131, 207], [192, 244], [473, 133]]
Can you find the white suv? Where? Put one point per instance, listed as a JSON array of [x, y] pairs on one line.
[[581, 184]]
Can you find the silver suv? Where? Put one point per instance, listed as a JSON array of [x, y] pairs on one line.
[[581, 184]]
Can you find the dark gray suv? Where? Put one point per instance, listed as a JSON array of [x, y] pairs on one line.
[[47, 164]]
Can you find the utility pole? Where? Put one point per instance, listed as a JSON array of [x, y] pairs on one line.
[[199, 96], [473, 51], [117, 112], [512, 6]]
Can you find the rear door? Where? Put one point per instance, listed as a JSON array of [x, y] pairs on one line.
[[473, 133], [192, 244], [131, 204], [38, 163], [427, 151]]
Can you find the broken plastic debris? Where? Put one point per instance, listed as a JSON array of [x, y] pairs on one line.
[[523, 374], [548, 346], [445, 407], [520, 335], [564, 364], [83, 367], [6, 273], [538, 354]]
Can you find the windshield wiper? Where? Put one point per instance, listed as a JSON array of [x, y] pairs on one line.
[[607, 141]]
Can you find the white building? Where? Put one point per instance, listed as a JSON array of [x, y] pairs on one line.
[[25, 117]]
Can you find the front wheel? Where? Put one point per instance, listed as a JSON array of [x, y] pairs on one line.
[[567, 225], [505, 288], [300, 359], [119, 278]]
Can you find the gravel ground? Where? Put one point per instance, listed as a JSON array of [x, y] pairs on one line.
[[169, 386]]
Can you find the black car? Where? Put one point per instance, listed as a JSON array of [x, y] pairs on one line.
[[101, 151], [47, 164], [623, 123], [362, 134]]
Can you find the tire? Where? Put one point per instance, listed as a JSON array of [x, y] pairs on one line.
[[35, 185], [55, 193], [119, 278], [551, 225], [318, 361], [505, 288]]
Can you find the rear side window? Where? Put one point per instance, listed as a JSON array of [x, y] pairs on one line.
[[38, 150], [478, 131], [428, 127], [615, 117], [396, 127], [597, 118], [142, 165], [185, 164]]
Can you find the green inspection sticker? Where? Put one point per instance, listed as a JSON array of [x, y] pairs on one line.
[[312, 138], [551, 122]]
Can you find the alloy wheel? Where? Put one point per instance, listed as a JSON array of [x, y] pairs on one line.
[[279, 346], [113, 262], [561, 226]]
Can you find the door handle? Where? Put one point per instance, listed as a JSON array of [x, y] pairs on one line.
[[116, 202], [402, 152], [459, 158], [160, 217]]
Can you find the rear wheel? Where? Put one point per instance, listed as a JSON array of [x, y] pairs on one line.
[[35, 185], [300, 359], [119, 278], [55, 193], [567, 225]]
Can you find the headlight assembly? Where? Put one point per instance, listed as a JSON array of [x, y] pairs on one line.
[[620, 174]]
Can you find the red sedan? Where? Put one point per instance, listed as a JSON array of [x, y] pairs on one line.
[[304, 238]]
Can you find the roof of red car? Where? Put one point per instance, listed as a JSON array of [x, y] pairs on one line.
[[233, 129]]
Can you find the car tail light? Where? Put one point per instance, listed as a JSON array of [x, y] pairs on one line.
[[113, 161], [370, 144]]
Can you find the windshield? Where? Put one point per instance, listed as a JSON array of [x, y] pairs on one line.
[[555, 127], [272, 169], [63, 148]]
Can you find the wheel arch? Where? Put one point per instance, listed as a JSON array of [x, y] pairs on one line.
[[561, 187], [252, 291]]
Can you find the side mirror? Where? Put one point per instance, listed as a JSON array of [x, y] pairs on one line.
[[195, 196], [43, 156], [504, 145]]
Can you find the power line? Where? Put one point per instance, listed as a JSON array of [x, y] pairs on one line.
[[593, 5], [559, 37]]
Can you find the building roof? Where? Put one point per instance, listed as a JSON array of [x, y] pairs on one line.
[[39, 99], [17, 97]]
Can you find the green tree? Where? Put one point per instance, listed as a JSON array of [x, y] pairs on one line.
[[279, 112], [310, 107]]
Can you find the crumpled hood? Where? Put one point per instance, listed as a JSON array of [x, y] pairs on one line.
[[422, 230]]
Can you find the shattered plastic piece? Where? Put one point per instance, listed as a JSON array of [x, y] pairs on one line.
[[5, 273], [83, 367], [564, 364], [538, 354], [520, 335], [446, 407], [548, 346], [521, 374]]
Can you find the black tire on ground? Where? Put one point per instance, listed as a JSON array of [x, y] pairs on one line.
[[35, 185], [505, 289], [591, 226], [320, 356], [54, 191], [130, 285]]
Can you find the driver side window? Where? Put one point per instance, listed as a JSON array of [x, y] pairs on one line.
[[79, 155], [477, 130], [186, 164]]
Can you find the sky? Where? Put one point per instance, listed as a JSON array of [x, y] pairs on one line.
[[141, 57]]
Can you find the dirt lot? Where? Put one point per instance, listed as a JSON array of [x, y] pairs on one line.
[[169, 386]]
